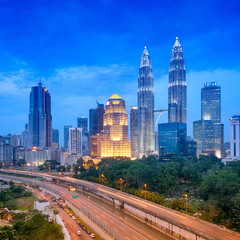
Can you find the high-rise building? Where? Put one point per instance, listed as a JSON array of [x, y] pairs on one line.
[[75, 141], [82, 122], [177, 88], [172, 139], [100, 112], [66, 136], [25, 139], [197, 135], [145, 107], [55, 138], [96, 120], [134, 131], [235, 137], [40, 118], [209, 132], [211, 102], [93, 122], [115, 129], [234, 140], [15, 140]]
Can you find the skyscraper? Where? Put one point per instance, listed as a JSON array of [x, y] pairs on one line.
[[115, 129], [177, 88], [82, 122], [145, 106], [96, 120], [134, 131], [75, 141], [93, 122], [40, 118], [211, 102], [209, 132], [100, 112], [66, 136], [55, 138]]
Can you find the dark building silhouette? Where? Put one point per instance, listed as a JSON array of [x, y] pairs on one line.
[[40, 118]]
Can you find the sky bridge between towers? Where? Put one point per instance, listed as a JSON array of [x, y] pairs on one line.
[[160, 111]]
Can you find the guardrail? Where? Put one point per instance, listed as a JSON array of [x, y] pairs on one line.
[[93, 218]]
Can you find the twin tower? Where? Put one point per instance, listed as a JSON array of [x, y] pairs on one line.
[[177, 98]]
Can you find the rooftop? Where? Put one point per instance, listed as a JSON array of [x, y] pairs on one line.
[[235, 117], [115, 96]]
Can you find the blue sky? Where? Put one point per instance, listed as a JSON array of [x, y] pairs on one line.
[[86, 50]]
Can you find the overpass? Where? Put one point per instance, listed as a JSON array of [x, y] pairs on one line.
[[174, 224]]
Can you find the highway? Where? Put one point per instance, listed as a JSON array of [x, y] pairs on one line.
[[211, 230], [116, 224]]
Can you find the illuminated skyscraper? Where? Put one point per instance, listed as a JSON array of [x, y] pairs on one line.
[[177, 89], [211, 102], [209, 132], [40, 118], [145, 107], [115, 129], [134, 131]]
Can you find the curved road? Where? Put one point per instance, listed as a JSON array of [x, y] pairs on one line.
[[211, 230]]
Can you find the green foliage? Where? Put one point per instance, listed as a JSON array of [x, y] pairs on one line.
[[48, 165], [21, 163], [61, 169], [149, 178]]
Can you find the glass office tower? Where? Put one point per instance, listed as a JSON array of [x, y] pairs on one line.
[[209, 132], [145, 107], [40, 118], [172, 139]]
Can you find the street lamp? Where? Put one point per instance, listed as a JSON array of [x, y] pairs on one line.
[[145, 185], [186, 196]]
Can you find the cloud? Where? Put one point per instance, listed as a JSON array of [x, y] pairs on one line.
[[75, 90], [16, 83]]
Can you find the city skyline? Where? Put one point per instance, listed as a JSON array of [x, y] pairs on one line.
[[111, 65]]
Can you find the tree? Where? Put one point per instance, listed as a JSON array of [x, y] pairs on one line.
[[61, 168], [21, 162]]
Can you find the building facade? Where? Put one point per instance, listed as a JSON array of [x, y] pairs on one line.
[[55, 138], [134, 131], [209, 132], [75, 141], [145, 107], [172, 139], [235, 136], [177, 88], [93, 122], [66, 136], [40, 118], [82, 122], [37, 156], [115, 129], [211, 102]]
